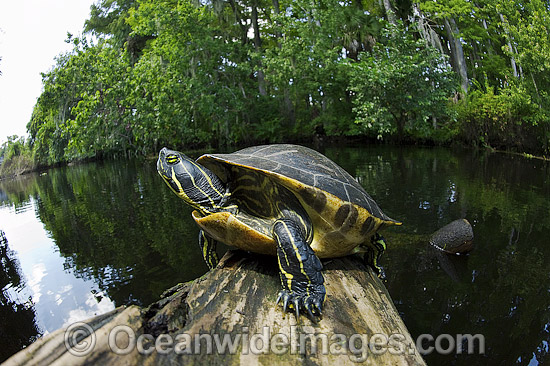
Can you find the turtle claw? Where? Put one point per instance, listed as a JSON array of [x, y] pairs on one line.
[[313, 311], [310, 313], [296, 304], [381, 273], [318, 306], [285, 303], [311, 303], [279, 298], [314, 306]]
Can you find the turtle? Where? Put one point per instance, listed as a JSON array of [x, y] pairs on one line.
[[284, 200]]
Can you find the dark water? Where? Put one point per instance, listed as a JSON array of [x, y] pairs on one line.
[[82, 240]]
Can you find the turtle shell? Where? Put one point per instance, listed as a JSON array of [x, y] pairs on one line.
[[298, 166], [267, 180]]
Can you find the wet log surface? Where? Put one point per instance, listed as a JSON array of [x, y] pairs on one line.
[[229, 316]]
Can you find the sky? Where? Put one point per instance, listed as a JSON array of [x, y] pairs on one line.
[[32, 34]]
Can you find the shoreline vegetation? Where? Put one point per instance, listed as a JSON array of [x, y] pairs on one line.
[[22, 165], [211, 74]]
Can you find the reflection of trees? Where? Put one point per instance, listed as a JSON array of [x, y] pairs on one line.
[[504, 285], [410, 185], [17, 319], [16, 191], [117, 224]]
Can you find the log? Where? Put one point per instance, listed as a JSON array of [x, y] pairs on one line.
[[235, 303]]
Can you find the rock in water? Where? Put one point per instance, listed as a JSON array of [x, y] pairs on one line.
[[456, 237]]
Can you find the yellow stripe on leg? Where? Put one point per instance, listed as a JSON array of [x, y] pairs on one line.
[[298, 256]]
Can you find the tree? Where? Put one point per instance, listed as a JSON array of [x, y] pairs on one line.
[[16, 157], [401, 85], [83, 111], [447, 12], [196, 73], [198, 76], [108, 18]]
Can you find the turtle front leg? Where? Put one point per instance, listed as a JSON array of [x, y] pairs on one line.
[[208, 248], [300, 270]]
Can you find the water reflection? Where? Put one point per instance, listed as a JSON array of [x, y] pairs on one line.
[[112, 234], [502, 289], [113, 224], [93, 237], [18, 326]]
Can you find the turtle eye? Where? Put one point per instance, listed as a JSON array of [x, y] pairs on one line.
[[172, 159]]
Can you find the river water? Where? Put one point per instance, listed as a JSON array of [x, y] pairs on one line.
[[84, 239]]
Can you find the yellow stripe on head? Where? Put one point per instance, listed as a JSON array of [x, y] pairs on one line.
[[207, 177], [197, 187], [180, 192]]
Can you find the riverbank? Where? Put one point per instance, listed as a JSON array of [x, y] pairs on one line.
[[21, 164], [16, 166]]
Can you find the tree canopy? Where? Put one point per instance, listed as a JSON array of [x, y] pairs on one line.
[[217, 73]]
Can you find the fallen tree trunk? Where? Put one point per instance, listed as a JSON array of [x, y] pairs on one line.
[[229, 317]]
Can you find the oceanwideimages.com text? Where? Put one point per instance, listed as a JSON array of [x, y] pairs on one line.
[[80, 340]]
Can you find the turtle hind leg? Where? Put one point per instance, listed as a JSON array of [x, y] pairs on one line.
[[208, 248], [300, 270], [374, 252]]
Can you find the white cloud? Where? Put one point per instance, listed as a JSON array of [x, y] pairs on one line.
[[94, 308], [37, 274]]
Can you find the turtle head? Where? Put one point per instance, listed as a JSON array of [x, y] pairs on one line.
[[195, 184]]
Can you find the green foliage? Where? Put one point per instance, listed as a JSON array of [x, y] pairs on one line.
[[198, 90], [16, 157], [191, 74], [403, 85], [528, 26], [481, 35], [83, 111], [508, 118], [108, 18]]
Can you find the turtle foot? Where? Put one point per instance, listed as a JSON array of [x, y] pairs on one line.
[[312, 303], [373, 254]]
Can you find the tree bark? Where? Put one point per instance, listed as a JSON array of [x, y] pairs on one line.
[[258, 48], [236, 300], [510, 47], [390, 13], [426, 31], [288, 106], [457, 53]]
